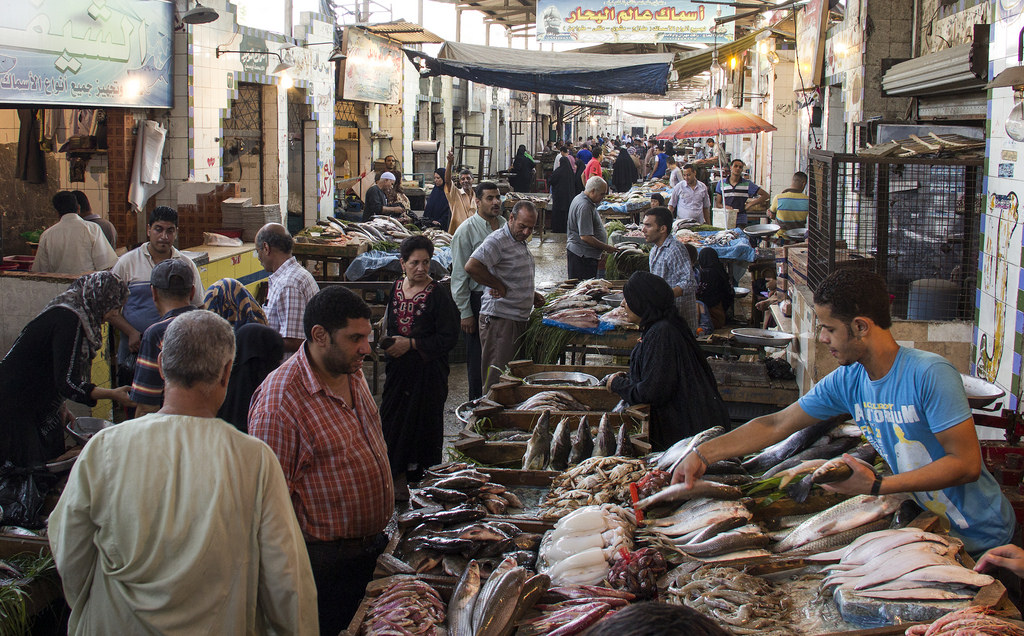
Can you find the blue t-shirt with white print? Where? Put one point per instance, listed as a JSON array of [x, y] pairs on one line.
[[899, 414]]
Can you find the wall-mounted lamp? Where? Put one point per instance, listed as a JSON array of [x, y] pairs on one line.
[[281, 66], [199, 14]]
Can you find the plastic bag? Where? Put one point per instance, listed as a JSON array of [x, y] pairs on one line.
[[22, 493], [219, 240]]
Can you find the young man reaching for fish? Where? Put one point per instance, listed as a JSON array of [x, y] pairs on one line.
[[910, 405]]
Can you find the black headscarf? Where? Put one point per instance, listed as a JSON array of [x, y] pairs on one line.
[[258, 351], [713, 286], [437, 208], [624, 173], [650, 297], [523, 167]]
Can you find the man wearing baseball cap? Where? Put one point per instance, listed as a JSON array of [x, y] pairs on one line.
[[172, 289]]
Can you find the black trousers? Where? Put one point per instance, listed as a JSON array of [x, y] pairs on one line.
[[474, 349], [341, 571], [581, 267]]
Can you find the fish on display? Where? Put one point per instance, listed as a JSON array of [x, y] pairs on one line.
[[679, 492], [742, 538], [623, 445], [843, 538], [676, 452], [832, 471], [582, 443], [827, 450], [561, 444], [539, 446], [790, 446], [604, 445], [851, 513]]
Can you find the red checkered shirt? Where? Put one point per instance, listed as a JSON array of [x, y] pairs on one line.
[[334, 457]]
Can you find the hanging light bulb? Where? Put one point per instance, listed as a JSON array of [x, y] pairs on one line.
[[762, 48], [732, 62]]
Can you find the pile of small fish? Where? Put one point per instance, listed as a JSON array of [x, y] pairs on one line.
[[407, 606], [580, 548], [638, 572], [552, 400], [457, 484], [493, 607], [572, 609], [438, 237], [723, 238], [581, 317], [390, 228], [596, 481], [563, 448], [903, 565], [704, 528], [741, 603], [842, 523], [975, 621], [619, 319]]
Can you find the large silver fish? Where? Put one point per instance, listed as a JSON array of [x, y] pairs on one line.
[[582, 443], [854, 512], [743, 538], [537, 449], [460, 607], [790, 446], [561, 444], [679, 492], [676, 452], [494, 610], [832, 471], [604, 445]]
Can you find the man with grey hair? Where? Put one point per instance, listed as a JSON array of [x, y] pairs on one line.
[[587, 238], [290, 285], [177, 521], [503, 263]]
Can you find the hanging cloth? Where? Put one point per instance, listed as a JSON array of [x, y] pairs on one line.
[[31, 165]]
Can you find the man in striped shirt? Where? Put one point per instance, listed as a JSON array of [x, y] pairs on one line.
[[172, 289], [790, 207], [503, 263], [318, 415], [738, 193]]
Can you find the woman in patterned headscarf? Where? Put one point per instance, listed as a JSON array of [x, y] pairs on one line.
[[229, 299], [51, 361]]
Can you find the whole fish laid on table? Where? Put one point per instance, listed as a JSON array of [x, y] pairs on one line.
[[539, 446], [832, 471], [679, 492], [851, 513], [827, 450], [676, 452], [790, 446]]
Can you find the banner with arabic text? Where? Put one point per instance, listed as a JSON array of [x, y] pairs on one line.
[[87, 53], [680, 21]]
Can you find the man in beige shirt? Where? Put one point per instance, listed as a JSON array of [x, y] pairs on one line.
[[177, 523], [461, 199], [73, 245]]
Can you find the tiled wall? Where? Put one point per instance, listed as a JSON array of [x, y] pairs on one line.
[[999, 321]]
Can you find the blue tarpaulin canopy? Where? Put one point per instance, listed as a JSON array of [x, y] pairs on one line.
[[546, 72]]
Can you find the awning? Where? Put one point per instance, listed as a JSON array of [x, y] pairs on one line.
[[959, 68], [696, 62], [404, 32], [546, 72]]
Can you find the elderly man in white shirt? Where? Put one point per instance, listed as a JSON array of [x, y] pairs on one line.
[[72, 245], [191, 529], [690, 199]]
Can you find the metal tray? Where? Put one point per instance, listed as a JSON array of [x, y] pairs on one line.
[[740, 292], [762, 337], [797, 234], [561, 378], [83, 428], [979, 392], [764, 229]]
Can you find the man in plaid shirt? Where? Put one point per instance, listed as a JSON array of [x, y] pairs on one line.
[[318, 415], [290, 284]]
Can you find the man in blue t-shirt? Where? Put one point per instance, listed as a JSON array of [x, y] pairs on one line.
[[910, 405]]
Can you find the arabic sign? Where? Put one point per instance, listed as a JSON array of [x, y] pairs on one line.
[[373, 68], [87, 53], [632, 21], [810, 40]]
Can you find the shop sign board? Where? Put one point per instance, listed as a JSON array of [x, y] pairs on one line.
[[87, 53], [632, 21], [810, 41], [373, 68]]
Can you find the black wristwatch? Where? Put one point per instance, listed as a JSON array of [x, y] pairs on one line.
[[875, 487]]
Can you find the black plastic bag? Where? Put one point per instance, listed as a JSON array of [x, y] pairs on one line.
[[22, 494]]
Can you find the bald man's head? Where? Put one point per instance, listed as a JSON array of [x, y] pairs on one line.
[[276, 237]]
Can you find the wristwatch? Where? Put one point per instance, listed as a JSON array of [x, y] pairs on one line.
[[875, 487]]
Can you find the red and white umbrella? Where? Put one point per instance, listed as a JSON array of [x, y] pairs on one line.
[[710, 122]]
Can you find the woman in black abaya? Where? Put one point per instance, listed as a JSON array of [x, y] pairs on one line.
[[424, 322], [666, 368], [624, 173], [524, 168]]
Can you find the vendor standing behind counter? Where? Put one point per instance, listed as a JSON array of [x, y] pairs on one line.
[[910, 405]]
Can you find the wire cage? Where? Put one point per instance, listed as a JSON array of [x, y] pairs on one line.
[[915, 221]]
